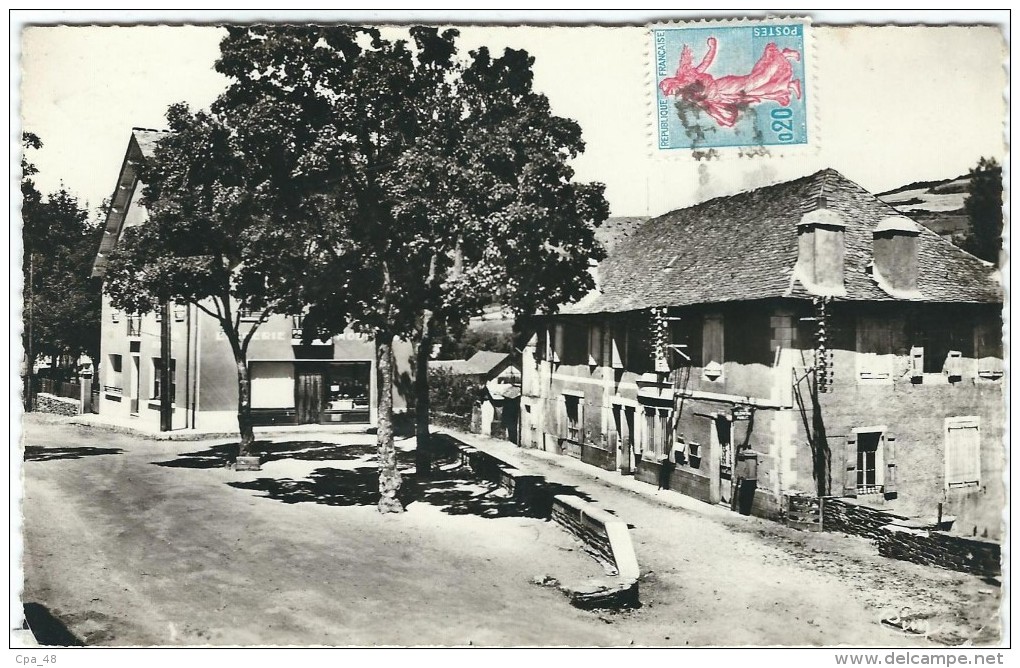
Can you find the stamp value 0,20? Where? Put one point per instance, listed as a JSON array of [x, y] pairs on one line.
[[730, 85]]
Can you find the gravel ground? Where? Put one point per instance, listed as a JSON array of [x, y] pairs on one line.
[[136, 542]]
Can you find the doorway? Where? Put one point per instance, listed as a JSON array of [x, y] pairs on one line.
[[309, 391], [136, 383], [723, 444], [623, 423]]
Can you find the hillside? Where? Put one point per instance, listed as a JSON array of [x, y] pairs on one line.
[[936, 204]]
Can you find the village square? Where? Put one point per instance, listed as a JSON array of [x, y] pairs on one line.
[[401, 337]]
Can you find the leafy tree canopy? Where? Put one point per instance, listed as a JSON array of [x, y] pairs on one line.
[[984, 208]]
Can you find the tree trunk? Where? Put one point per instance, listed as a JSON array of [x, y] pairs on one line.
[[423, 448], [389, 476], [244, 424]]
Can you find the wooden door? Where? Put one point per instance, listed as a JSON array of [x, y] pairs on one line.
[[309, 389], [135, 388], [721, 435]]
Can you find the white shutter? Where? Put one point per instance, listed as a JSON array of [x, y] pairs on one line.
[[963, 452]]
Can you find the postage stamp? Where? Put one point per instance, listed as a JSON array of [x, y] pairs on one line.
[[731, 85]]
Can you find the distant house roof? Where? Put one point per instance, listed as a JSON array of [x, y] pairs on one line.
[[744, 247], [482, 363], [141, 146]]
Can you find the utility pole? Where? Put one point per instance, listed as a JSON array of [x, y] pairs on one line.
[[165, 373]]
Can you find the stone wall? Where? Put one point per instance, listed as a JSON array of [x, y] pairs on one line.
[[48, 403], [980, 556], [603, 535], [918, 543], [589, 528], [850, 517], [451, 421]]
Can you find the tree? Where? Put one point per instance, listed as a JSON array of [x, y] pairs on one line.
[[452, 393], [61, 302], [984, 208], [429, 185], [205, 242]]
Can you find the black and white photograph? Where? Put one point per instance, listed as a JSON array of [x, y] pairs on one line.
[[505, 330]]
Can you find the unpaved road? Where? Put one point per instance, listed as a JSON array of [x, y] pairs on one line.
[[135, 542]]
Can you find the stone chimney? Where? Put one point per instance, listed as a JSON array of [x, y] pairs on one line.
[[895, 255], [820, 251]]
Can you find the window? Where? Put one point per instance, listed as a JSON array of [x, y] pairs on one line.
[[575, 343], [662, 442], [541, 344], [988, 348], [712, 343], [685, 332], [963, 452], [134, 326], [870, 465], [874, 348], [248, 315], [639, 355], [648, 436], [114, 316], [272, 384], [157, 379], [574, 428], [115, 376], [868, 477], [944, 338]]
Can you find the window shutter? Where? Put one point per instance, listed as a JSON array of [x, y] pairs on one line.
[[916, 362], [618, 335], [594, 345], [557, 347], [954, 364], [850, 478], [890, 464]]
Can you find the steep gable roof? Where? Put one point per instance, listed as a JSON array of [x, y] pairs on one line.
[[744, 247], [141, 146]]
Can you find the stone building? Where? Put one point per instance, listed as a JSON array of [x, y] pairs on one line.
[[858, 353]]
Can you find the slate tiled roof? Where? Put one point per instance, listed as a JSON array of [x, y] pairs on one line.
[[147, 139], [141, 146], [616, 229], [481, 363], [744, 247]]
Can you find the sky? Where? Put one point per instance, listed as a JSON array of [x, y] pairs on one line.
[[891, 105]]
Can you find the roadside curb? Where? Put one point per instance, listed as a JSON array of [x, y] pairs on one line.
[[604, 536]]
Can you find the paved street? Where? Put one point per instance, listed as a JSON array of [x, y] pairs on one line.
[[137, 542]]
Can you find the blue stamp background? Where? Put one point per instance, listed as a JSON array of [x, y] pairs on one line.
[[738, 50]]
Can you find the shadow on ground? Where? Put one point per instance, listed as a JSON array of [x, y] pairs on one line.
[[35, 453], [217, 456], [455, 489], [452, 488], [47, 629]]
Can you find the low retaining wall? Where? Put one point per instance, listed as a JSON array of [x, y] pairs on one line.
[[606, 538], [603, 535], [919, 544], [848, 516], [49, 403], [979, 556], [451, 420]]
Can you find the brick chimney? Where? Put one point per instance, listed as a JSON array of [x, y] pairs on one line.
[[895, 242], [820, 251]]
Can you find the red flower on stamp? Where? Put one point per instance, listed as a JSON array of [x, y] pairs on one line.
[[771, 78]]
